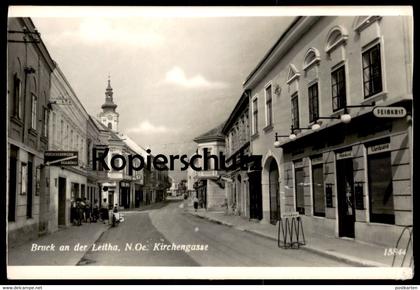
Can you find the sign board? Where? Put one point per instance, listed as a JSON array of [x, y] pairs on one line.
[[378, 148], [61, 158], [293, 214], [389, 112], [345, 154]]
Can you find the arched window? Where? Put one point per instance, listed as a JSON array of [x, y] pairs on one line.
[[336, 36], [312, 56], [110, 125]]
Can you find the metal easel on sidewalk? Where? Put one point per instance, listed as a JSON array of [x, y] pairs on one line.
[[290, 233]]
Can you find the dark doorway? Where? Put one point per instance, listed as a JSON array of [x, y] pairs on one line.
[[29, 194], [110, 199], [139, 197], [12, 183], [273, 182], [255, 194], [125, 197], [61, 201], [345, 198]]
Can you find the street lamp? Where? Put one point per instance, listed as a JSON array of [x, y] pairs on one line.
[[277, 142]]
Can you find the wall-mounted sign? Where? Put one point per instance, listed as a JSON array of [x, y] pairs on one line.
[[344, 154], [389, 112], [358, 194], [378, 148], [329, 195], [61, 158]]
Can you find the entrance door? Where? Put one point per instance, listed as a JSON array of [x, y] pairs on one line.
[[255, 195], [111, 199], [139, 198], [61, 201], [345, 196], [274, 192], [12, 183], [125, 199], [29, 196]]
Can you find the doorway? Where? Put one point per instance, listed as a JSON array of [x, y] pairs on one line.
[[61, 201], [29, 196], [345, 198], [255, 194], [274, 192]]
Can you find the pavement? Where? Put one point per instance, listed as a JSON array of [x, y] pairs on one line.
[[78, 238], [352, 252], [164, 234]]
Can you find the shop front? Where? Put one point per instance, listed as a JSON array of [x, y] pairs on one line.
[[352, 180]]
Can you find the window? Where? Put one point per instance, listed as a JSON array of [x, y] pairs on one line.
[[255, 116], [381, 197], [54, 133], [71, 140], [313, 102], [34, 111], [318, 189], [23, 178], [17, 97], [295, 111], [45, 128], [372, 76], [268, 106], [338, 89], [109, 125], [300, 185]]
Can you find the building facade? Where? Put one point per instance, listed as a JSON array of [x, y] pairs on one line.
[[28, 84], [242, 185], [68, 132], [209, 186], [346, 170]]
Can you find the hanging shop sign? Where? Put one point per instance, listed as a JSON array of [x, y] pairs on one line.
[[61, 158], [389, 112]]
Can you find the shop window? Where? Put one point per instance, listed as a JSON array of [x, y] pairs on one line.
[[318, 190], [313, 102], [295, 111], [338, 89], [372, 75], [381, 196], [300, 186]]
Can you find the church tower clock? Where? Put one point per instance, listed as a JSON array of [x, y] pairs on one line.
[[108, 116]]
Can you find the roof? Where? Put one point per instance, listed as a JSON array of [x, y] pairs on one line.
[[214, 134], [134, 146]]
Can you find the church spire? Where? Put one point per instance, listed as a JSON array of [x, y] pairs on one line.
[[109, 104]]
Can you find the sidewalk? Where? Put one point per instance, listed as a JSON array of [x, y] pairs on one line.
[[349, 251], [86, 235]]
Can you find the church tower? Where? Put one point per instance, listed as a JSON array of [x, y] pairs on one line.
[[108, 116]]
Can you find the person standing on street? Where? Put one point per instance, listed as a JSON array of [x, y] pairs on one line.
[[195, 202]]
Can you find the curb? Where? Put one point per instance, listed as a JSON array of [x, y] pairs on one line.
[[337, 256], [79, 263]]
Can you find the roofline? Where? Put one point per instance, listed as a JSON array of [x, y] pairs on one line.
[[292, 35], [235, 111], [41, 46]]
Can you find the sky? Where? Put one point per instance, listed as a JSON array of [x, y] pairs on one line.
[[174, 78]]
